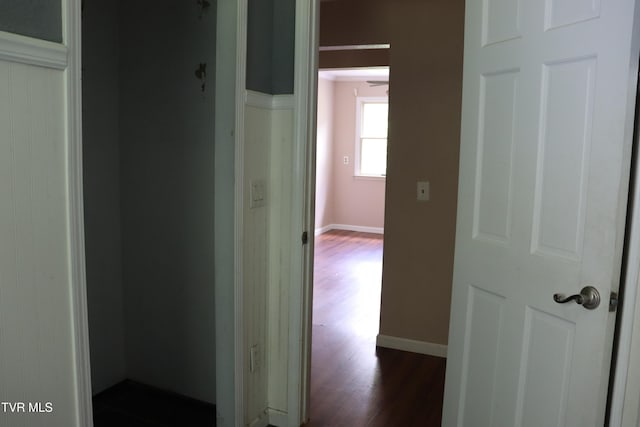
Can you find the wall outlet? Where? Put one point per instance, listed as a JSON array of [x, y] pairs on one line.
[[345, 160], [423, 191], [254, 362], [258, 193]]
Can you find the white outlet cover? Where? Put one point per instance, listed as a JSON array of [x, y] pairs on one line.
[[423, 191]]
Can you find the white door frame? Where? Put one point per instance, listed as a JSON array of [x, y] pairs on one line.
[[303, 206], [231, 30], [72, 38], [625, 399], [629, 333], [303, 209]]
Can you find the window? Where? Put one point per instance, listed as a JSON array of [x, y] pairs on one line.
[[371, 136]]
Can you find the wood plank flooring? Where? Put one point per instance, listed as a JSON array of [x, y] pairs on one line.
[[352, 383]]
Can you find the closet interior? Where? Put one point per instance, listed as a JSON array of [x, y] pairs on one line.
[[148, 165]]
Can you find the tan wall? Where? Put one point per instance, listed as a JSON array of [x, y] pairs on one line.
[[354, 58], [355, 22], [324, 154], [424, 135], [425, 100]]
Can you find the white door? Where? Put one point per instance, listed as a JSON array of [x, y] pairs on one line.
[[549, 89]]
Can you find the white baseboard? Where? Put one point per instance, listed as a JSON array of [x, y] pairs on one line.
[[347, 227], [277, 418], [413, 346], [323, 230]]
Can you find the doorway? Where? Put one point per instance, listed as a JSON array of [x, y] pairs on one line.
[[148, 136], [351, 149], [352, 380], [349, 231], [424, 130]]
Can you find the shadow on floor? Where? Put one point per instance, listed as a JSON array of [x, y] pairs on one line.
[[131, 404]]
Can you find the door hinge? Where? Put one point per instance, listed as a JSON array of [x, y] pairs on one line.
[[305, 237], [613, 301]]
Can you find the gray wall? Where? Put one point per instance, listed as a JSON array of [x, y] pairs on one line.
[[270, 46], [102, 193], [34, 18], [284, 29], [167, 185], [260, 46]]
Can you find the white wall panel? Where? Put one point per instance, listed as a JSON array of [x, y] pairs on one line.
[[255, 247], [280, 238], [267, 254], [36, 345]]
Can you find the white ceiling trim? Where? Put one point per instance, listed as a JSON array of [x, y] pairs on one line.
[[354, 47], [355, 74]]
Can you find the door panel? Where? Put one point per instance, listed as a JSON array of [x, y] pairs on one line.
[[494, 197], [563, 153], [544, 168], [565, 12], [501, 21], [545, 368], [483, 341]]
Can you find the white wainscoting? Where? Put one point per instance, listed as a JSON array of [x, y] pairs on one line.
[[255, 247], [39, 337], [266, 253], [413, 346], [280, 253]]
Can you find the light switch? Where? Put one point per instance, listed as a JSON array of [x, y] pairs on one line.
[[254, 364], [257, 197], [423, 191]]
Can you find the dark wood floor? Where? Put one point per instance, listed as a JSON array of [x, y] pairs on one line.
[[131, 404], [352, 383]]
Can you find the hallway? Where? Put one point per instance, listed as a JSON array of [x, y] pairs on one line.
[[352, 383]]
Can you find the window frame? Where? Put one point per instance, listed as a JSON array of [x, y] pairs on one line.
[[360, 101]]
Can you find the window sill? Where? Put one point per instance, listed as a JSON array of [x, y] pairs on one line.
[[370, 177]]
